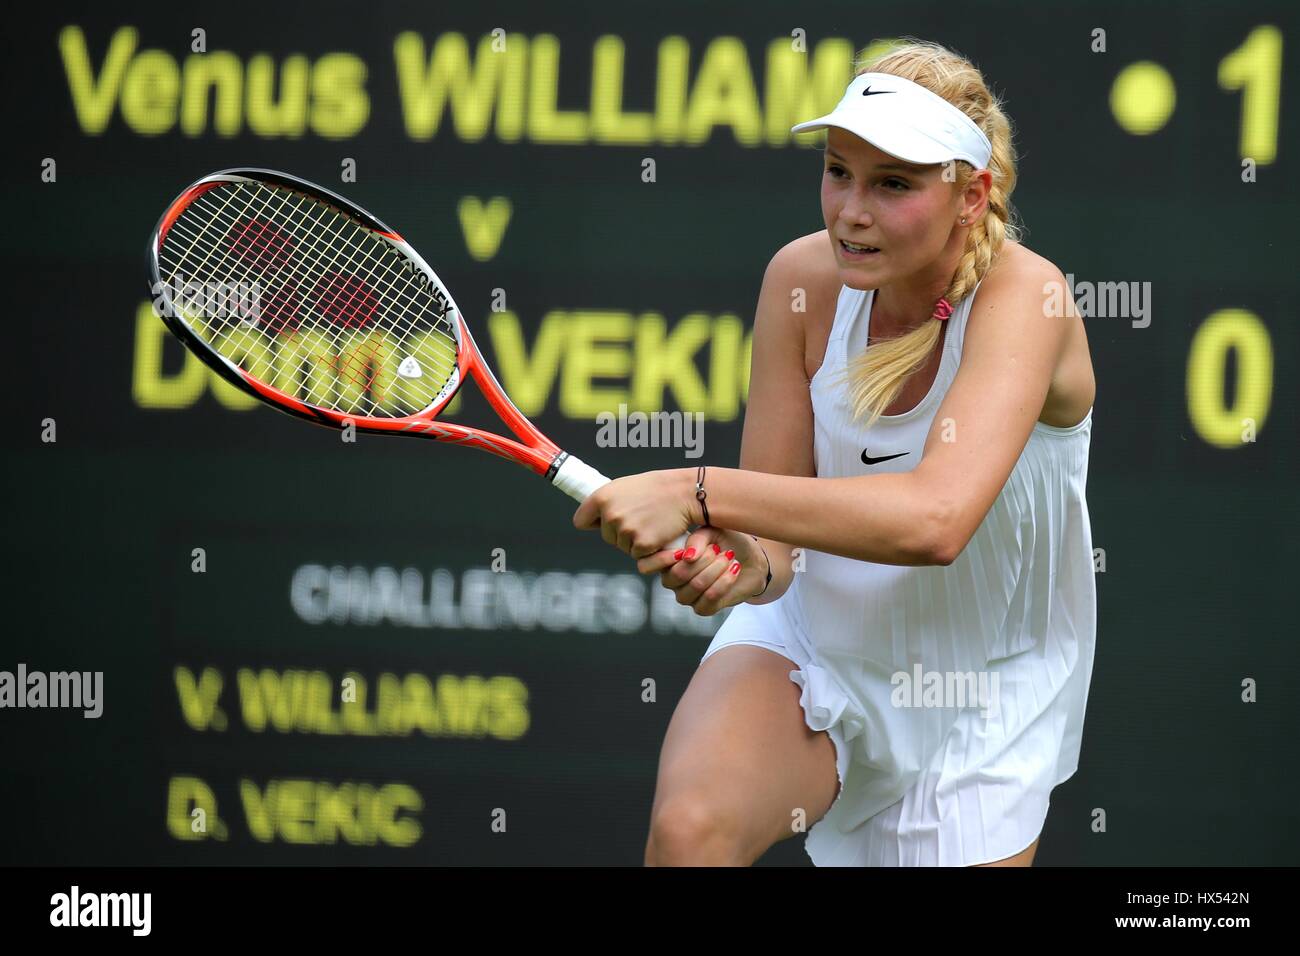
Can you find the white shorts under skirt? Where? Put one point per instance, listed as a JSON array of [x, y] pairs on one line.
[[980, 795]]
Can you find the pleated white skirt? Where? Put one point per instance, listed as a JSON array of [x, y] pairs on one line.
[[930, 785]]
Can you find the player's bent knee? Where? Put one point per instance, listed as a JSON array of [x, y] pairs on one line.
[[693, 831]]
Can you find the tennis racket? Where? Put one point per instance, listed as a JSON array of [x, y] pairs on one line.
[[310, 304]]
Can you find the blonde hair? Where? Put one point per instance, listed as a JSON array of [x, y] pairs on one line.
[[878, 374]]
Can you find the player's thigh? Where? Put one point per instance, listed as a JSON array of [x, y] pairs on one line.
[[739, 762], [1024, 858]]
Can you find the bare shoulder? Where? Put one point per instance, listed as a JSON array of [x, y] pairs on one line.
[[809, 259], [1018, 267], [804, 271], [1021, 279]]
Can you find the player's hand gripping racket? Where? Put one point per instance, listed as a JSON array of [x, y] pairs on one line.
[[307, 302]]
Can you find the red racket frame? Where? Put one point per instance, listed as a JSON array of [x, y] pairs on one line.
[[533, 450]]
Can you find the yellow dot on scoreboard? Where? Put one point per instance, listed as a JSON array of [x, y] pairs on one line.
[[1142, 97]]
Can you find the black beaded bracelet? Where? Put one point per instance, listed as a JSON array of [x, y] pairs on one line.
[[769, 568], [700, 495]]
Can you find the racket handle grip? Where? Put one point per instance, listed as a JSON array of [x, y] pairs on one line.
[[578, 480]]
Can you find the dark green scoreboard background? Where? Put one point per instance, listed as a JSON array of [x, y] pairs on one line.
[[509, 685]]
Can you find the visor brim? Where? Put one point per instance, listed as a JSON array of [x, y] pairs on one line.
[[915, 153]]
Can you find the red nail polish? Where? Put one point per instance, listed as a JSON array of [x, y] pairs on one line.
[[730, 555], [716, 549], [690, 553], [735, 568], [677, 555]]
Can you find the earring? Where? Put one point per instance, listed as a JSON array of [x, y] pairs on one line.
[[963, 220]]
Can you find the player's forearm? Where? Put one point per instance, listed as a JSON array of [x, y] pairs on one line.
[[887, 519]]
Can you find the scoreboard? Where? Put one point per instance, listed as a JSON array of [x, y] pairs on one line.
[[310, 655]]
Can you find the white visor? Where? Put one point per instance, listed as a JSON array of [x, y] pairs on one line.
[[906, 120]]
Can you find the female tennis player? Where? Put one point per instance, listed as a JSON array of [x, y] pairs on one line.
[[906, 544]]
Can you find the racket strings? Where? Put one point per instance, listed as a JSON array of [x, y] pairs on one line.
[[335, 299], [358, 234], [356, 363], [329, 296], [342, 321], [239, 230]]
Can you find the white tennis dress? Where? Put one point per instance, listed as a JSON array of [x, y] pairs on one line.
[[946, 781]]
